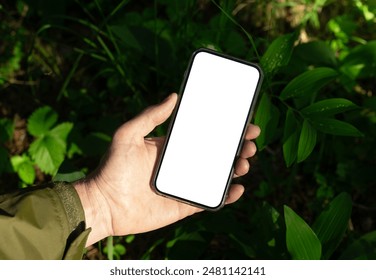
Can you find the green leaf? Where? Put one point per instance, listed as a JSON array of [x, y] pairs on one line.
[[262, 118], [267, 118], [307, 141], [328, 107], [302, 243], [332, 223], [48, 153], [48, 150], [130, 238], [61, 131], [362, 249], [360, 62], [308, 82], [120, 249], [278, 53], [24, 168], [320, 54], [335, 127], [291, 138], [41, 121]]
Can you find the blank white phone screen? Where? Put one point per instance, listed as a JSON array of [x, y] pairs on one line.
[[212, 116]]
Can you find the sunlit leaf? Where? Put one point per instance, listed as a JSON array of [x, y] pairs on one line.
[[41, 121], [61, 131], [302, 243], [48, 150], [130, 238], [24, 168], [120, 249], [278, 53]]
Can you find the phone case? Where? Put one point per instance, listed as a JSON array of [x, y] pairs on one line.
[[157, 169]]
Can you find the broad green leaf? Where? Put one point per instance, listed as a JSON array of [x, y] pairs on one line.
[[335, 127], [343, 27], [24, 168], [328, 107], [291, 138], [48, 150], [307, 141], [362, 249], [320, 54], [41, 121], [360, 62], [26, 172], [308, 82], [61, 131], [302, 243], [278, 53], [267, 118], [262, 118], [332, 223], [48, 153]]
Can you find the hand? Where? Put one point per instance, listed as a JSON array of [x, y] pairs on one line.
[[117, 197]]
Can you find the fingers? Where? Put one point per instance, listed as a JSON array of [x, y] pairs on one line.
[[145, 122], [248, 150], [154, 116], [241, 167], [235, 192], [253, 131]]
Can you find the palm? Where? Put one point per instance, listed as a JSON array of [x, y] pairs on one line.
[[144, 208]]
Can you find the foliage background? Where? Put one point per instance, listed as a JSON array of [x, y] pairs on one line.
[[71, 71]]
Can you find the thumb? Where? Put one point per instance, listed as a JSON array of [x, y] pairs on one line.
[[154, 115]]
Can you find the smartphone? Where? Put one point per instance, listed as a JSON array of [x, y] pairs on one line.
[[207, 128]]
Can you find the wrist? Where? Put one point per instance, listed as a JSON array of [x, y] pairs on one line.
[[96, 209]]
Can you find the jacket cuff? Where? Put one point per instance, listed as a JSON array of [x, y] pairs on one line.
[[76, 220], [71, 203]]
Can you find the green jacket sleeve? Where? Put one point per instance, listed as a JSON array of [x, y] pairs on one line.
[[42, 223]]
